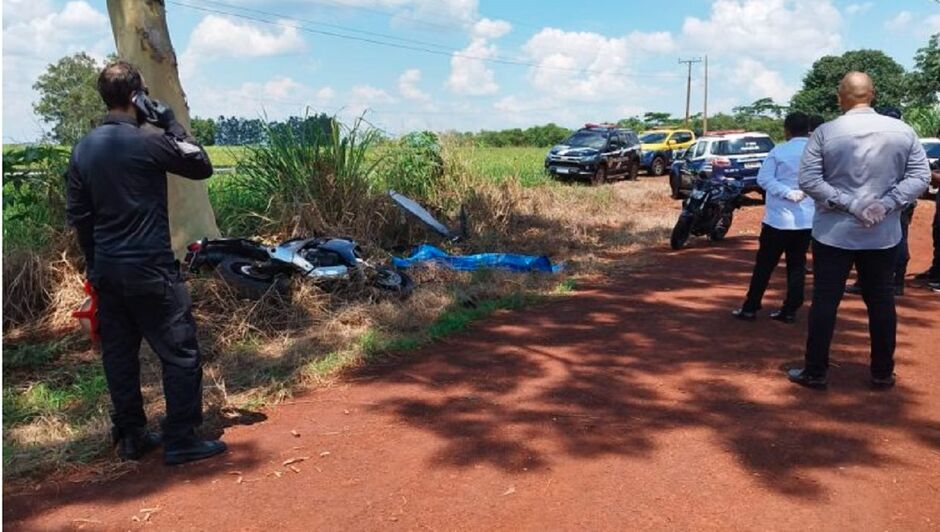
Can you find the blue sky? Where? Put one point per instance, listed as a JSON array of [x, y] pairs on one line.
[[568, 62]]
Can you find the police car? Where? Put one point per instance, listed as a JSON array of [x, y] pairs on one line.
[[932, 147], [596, 152], [735, 154]]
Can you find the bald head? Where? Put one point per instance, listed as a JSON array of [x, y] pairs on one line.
[[856, 90]]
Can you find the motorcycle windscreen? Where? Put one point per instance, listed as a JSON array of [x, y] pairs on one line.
[[412, 208]]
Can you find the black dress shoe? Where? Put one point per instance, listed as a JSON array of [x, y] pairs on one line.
[[134, 444], [930, 276], [853, 289], [744, 315], [192, 450], [802, 378], [782, 316], [883, 383]]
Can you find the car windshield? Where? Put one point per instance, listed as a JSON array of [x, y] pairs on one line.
[[587, 139], [743, 146], [932, 149], [653, 138]]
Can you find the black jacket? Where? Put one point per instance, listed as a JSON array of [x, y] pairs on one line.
[[117, 189]]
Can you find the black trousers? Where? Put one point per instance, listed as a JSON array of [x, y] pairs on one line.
[[774, 243], [904, 251], [831, 268], [152, 302]]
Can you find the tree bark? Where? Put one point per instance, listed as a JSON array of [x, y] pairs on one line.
[[142, 38]]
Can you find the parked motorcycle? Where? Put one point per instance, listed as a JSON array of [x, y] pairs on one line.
[[709, 210], [254, 269]]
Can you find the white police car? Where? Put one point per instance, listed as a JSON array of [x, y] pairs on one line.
[[734, 154]]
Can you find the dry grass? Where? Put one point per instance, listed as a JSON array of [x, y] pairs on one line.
[[258, 353]]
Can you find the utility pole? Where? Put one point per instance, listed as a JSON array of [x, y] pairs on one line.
[[688, 88], [705, 113]]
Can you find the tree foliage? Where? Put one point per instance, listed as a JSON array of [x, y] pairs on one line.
[[924, 80], [818, 94], [68, 98], [204, 130]]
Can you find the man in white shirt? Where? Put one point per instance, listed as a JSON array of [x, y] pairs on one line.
[[787, 227]]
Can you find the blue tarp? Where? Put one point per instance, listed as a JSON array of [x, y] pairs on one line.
[[501, 261]]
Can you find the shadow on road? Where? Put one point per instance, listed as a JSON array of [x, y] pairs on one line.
[[616, 369]]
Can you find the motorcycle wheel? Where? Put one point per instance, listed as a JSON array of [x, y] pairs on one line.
[[681, 232], [241, 275], [392, 280], [721, 230]]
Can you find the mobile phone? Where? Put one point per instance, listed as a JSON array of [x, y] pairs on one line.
[[148, 110]]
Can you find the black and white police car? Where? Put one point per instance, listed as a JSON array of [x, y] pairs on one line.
[[596, 152]]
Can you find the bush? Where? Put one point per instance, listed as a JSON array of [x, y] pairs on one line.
[[924, 120], [33, 195], [308, 179], [414, 165]]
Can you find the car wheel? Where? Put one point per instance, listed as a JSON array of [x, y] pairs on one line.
[[658, 166], [634, 171], [600, 176]]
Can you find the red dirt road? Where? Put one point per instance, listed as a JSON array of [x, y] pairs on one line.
[[634, 404]]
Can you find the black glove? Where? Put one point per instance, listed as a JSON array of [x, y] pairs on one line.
[[164, 114], [153, 111]]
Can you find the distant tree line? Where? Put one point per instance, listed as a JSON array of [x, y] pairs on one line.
[[237, 131], [540, 136]]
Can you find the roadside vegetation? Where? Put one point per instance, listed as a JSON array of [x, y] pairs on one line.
[[298, 182]]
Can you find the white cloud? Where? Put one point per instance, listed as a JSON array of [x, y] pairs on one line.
[[48, 32], [408, 86], [276, 98], [579, 65], [933, 24], [439, 13], [217, 36], [760, 81], [901, 22], [490, 29], [660, 42], [787, 30], [36, 34], [469, 74], [855, 9]]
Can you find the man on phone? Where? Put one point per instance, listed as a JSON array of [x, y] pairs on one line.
[[117, 202], [862, 169]]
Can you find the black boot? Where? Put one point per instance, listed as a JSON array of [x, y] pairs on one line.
[[191, 449], [133, 444], [801, 377]]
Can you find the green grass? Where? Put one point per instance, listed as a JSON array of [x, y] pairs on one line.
[[528, 164], [77, 393], [34, 356], [226, 156]]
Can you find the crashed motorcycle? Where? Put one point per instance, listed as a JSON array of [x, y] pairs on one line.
[[709, 210], [254, 269]]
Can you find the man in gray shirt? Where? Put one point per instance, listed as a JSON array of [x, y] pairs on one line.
[[861, 169]]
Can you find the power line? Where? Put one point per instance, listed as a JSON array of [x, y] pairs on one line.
[[327, 25], [443, 51]]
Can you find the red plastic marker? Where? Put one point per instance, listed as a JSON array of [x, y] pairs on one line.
[[87, 313]]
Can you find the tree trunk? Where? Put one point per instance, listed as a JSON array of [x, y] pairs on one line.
[[142, 38]]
